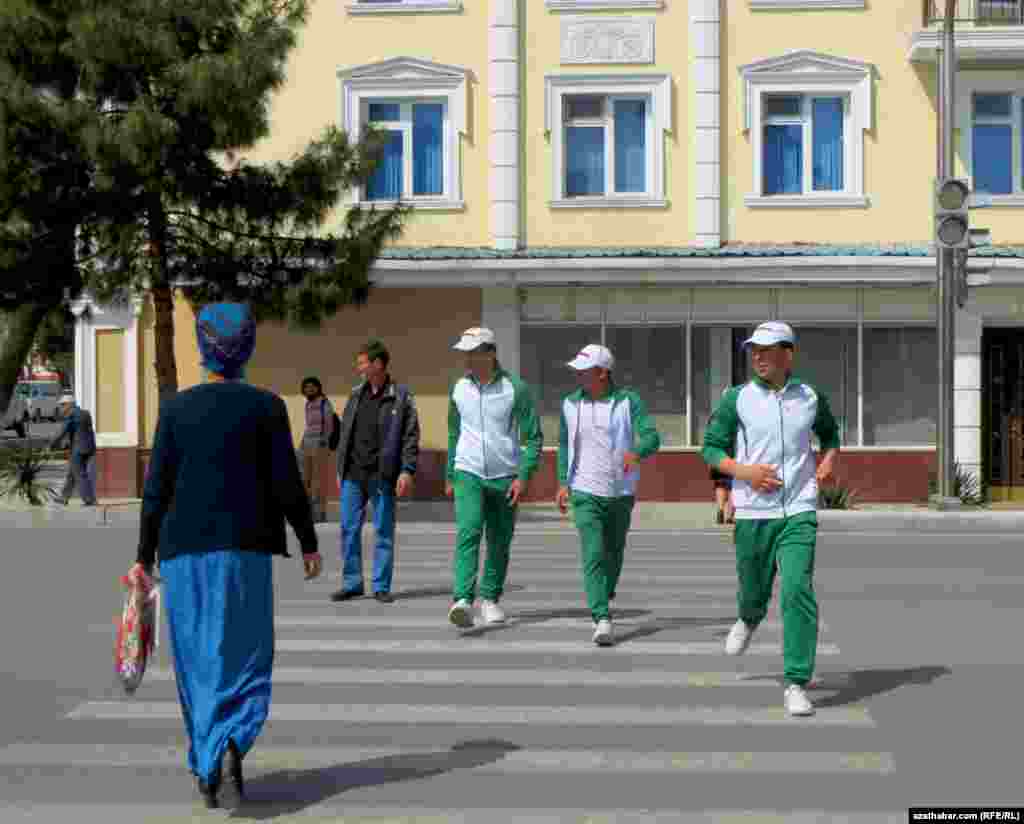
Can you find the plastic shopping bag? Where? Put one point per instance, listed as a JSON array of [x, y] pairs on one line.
[[138, 631]]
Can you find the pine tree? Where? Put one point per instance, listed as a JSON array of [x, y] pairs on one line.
[[163, 92]]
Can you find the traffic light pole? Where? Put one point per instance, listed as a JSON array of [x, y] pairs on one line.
[[946, 276]]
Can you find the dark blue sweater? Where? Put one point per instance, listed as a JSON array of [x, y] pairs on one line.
[[223, 475]]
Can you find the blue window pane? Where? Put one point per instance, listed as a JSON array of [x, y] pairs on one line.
[[386, 181], [385, 111], [776, 106], [630, 146], [783, 160], [584, 161], [992, 158], [992, 105], [427, 151], [827, 125]]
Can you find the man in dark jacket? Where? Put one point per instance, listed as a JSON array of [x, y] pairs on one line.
[[78, 429], [378, 448]]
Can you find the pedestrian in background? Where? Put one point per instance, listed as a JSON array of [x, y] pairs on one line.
[[378, 451], [81, 472], [605, 432], [223, 454], [491, 412], [775, 489], [314, 449]]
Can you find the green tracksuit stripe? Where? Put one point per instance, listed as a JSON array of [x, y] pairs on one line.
[[603, 524], [481, 506], [787, 545]]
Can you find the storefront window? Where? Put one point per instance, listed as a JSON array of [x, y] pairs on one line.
[[826, 357], [544, 352], [651, 360], [901, 386], [718, 363]]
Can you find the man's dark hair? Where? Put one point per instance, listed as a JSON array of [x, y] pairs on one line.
[[786, 345], [315, 381], [375, 350]]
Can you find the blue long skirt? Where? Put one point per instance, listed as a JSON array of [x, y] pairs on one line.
[[220, 613]]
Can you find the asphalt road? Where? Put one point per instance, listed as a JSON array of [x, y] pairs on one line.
[[385, 712]]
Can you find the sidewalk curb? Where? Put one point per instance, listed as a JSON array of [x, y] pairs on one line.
[[434, 516]]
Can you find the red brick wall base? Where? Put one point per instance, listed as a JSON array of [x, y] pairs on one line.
[[874, 477]]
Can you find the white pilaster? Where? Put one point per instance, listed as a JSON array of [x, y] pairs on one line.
[[503, 85], [84, 369], [967, 392], [705, 77], [501, 312]]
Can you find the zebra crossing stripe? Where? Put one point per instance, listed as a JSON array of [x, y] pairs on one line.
[[557, 716], [477, 646], [345, 676], [142, 756]]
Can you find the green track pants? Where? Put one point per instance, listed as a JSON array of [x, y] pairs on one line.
[[481, 505], [603, 524], [786, 545]]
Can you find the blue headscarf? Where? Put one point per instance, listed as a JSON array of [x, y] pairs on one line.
[[226, 334]]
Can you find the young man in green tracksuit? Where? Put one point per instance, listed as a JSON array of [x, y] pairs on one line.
[[767, 424], [490, 413], [605, 432]]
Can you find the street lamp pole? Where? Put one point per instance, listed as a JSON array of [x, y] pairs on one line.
[[945, 271]]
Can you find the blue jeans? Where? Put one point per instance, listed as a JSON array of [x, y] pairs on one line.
[[354, 498], [81, 473]]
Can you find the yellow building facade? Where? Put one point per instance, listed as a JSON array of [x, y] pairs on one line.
[[660, 176]]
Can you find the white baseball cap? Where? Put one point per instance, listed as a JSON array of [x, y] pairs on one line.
[[65, 398], [473, 338], [593, 355], [770, 333]]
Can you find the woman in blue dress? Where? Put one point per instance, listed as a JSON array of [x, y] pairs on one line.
[[222, 481]]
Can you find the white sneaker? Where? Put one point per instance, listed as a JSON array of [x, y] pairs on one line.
[[797, 702], [739, 638], [461, 614], [603, 636], [492, 613]]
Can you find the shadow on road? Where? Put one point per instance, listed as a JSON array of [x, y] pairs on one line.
[[540, 616], [661, 624], [288, 792], [437, 591], [864, 684]]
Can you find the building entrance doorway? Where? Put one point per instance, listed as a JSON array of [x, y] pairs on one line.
[[1002, 424]]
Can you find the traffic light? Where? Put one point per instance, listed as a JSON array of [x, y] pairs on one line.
[[952, 224]]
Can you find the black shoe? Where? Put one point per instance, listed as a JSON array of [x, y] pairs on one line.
[[233, 792], [384, 597], [342, 595], [209, 794]]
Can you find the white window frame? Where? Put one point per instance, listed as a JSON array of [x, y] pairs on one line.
[[408, 80], [405, 125], [797, 5], [993, 82], [603, 5], [404, 6], [811, 75], [806, 121], [607, 123], [655, 89]]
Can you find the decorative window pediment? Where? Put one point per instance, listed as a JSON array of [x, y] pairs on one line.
[[402, 6], [807, 70], [806, 113], [405, 82]]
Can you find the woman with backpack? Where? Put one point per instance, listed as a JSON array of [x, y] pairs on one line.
[[321, 426]]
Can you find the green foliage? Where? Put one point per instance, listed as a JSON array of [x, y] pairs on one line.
[[21, 469], [114, 121], [969, 487], [836, 496]]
